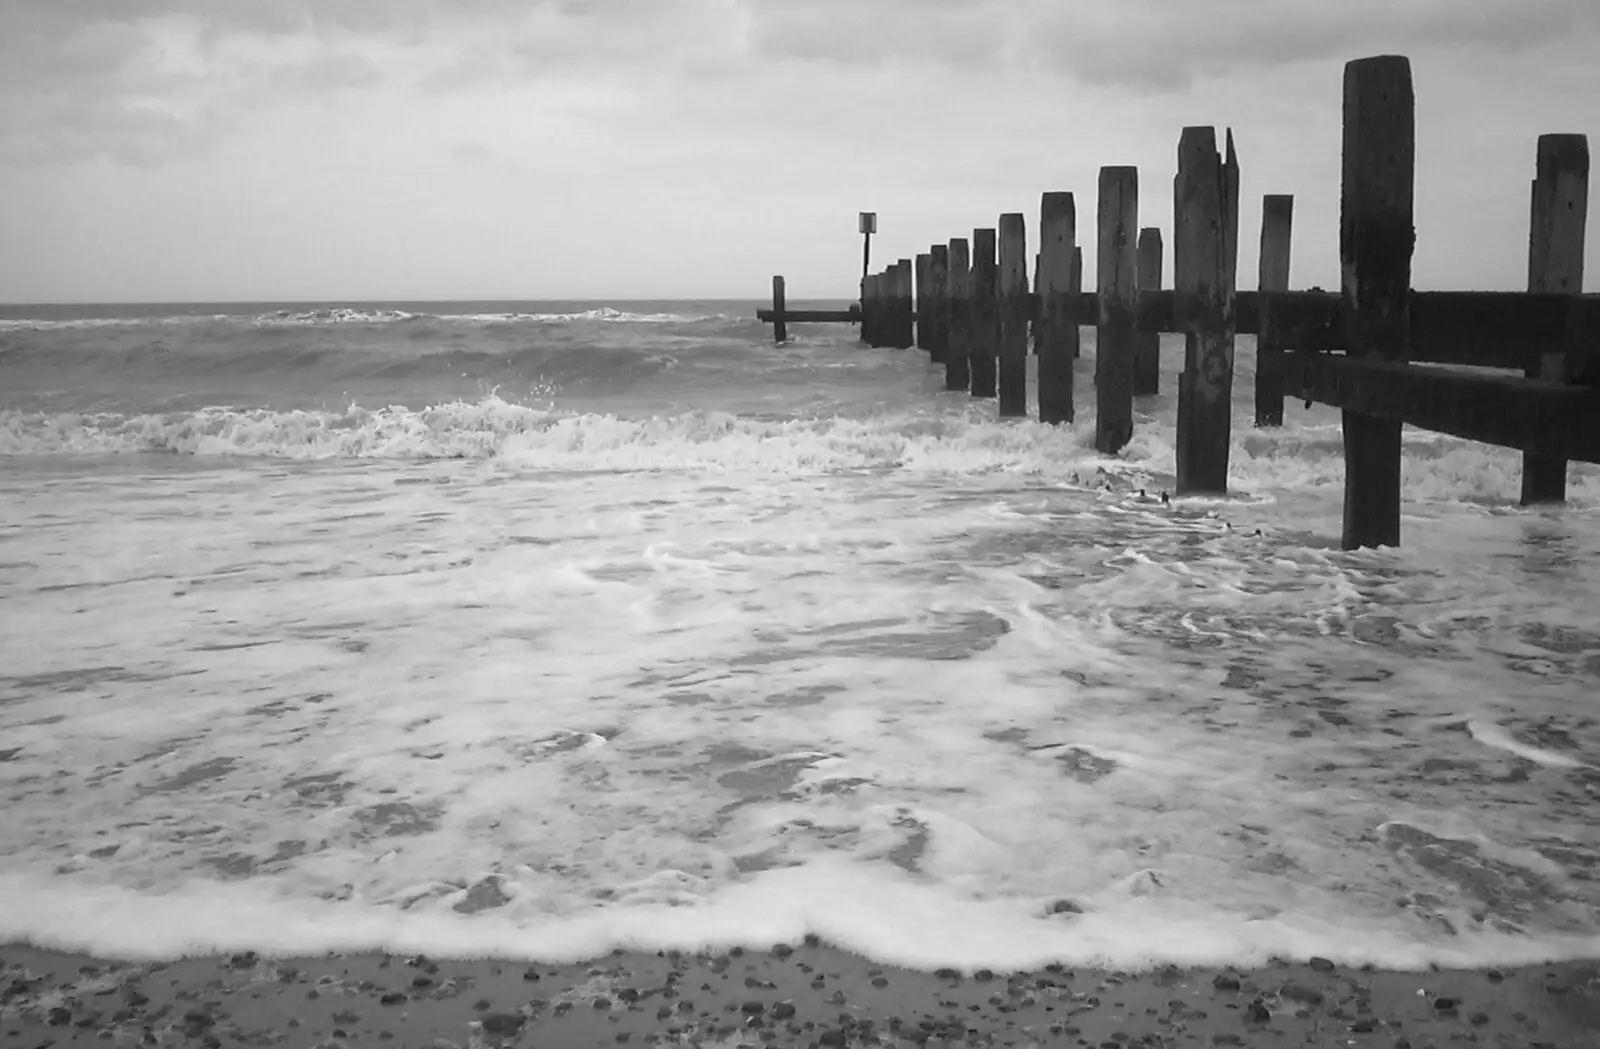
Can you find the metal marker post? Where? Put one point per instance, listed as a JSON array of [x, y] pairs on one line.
[[869, 226]]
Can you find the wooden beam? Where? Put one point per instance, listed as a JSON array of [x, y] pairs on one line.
[[1376, 240], [849, 316], [1583, 341], [1057, 331], [1014, 311], [1277, 220], [958, 300], [1506, 410], [1555, 264], [985, 313], [1118, 227], [1203, 275]]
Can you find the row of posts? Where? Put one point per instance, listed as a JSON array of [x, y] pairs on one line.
[[975, 310]]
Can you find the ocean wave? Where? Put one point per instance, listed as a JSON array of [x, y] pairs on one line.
[[1264, 465], [357, 315], [21, 324]]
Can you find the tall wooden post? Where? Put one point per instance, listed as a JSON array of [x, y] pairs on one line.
[[1117, 279], [1014, 312], [1555, 264], [904, 334], [958, 302], [1057, 328], [1277, 221], [938, 300], [780, 333], [1376, 239], [1147, 344], [985, 313], [1204, 209], [923, 291]]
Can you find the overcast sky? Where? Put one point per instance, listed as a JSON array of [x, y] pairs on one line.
[[198, 150]]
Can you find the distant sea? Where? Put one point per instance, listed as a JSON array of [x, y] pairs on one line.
[[534, 629]]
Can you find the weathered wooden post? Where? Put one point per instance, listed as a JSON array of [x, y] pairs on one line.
[[1033, 329], [1277, 221], [1147, 344], [924, 260], [1113, 372], [883, 297], [1014, 312], [905, 311], [985, 313], [1205, 207], [780, 333], [869, 313], [1376, 238], [1075, 289], [958, 299], [938, 301], [1056, 327], [1555, 265]]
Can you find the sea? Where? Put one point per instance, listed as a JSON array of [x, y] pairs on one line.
[[536, 630]]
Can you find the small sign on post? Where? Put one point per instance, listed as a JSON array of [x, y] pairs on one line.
[[869, 226]]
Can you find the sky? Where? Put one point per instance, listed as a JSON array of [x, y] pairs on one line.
[[226, 150]]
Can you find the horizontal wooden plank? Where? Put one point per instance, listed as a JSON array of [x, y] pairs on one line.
[[810, 316], [1493, 329], [1535, 415]]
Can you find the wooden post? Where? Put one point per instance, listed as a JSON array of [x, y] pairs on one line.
[[908, 334], [1555, 264], [780, 333], [939, 314], [1147, 344], [958, 300], [985, 313], [869, 310], [1376, 239], [883, 285], [1056, 327], [904, 308], [1113, 372], [1034, 328], [1277, 221], [1075, 288], [923, 262], [1201, 216], [1014, 312], [889, 289]]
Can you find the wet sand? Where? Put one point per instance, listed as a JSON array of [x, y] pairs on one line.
[[808, 995]]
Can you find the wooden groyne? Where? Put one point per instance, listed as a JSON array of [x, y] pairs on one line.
[[1385, 354]]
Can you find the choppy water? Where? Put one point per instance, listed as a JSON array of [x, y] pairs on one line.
[[536, 629]]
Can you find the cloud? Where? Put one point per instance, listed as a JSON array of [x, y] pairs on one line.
[[1162, 45], [82, 77], [139, 80]]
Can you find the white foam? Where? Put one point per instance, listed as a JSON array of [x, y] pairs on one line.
[[899, 676], [281, 705], [881, 914], [1495, 736]]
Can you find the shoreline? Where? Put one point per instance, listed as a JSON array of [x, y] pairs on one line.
[[806, 995]]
